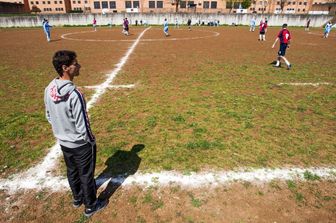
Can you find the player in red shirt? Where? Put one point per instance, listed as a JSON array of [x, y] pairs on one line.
[[284, 36], [262, 30]]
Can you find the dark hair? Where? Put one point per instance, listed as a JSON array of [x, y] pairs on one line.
[[63, 57], [284, 25]]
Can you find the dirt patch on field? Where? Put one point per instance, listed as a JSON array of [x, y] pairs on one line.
[[239, 202]]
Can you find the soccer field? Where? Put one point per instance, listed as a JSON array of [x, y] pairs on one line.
[[206, 98], [201, 100]]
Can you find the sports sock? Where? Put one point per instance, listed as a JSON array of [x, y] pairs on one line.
[[286, 61]]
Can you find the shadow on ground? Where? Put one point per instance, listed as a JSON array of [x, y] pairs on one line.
[[118, 167]]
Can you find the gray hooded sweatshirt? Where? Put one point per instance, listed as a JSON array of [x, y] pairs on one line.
[[66, 112]]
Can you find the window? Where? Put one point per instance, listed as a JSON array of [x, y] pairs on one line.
[[136, 4], [278, 3], [159, 4], [32, 3], [128, 4], [96, 5], [305, 3], [78, 2], [55, 2], [294, 3], [213, 5], [206, 5], [151, 4], [43, 2], [303, 10], [104, 5], [37, 2], [236, 5], [112, 4], [85, 2], [183, 4], [73, 2], [228, 5], [300, 3], [60, 2], [190, 3], [298, 10], [289, 3]]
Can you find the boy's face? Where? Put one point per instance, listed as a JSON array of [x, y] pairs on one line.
[[73, 69]]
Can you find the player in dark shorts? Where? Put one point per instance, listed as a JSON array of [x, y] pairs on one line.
[[189, 24], [262, 30], [284, 37]]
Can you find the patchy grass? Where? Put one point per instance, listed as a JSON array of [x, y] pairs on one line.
[[211, 107], [310, 176]]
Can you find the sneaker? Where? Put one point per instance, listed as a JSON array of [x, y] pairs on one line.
[[77, 203], [100, 204], [289, 67], [277, 66]]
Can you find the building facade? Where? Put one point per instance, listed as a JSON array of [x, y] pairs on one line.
[[163, 6]]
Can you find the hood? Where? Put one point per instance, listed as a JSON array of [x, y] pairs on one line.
[[60, 90]]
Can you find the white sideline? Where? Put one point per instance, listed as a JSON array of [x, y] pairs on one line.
[[168, 178], [306, 84], [112, 86], [40, 176]]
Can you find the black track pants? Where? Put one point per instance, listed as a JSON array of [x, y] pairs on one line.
[[81, 164]]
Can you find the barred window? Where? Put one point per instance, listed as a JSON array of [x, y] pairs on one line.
[[112, 4], [96, 5], [104, 5], [136, 4], [213, 5], [206, 5], [151, 4], [128, 4], [159, 4]]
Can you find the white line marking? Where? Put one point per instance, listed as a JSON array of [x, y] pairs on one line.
[[112, 86], [306, 84], [167, 178], [66, 36], [40, 175]]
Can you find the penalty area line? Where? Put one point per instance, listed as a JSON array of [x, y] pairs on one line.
[[306, 84], [192, 180], [112, 86]]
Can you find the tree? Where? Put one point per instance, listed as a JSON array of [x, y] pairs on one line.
[[246, 4], [282, 4], [230, 4], [177, 4], [35, 9]]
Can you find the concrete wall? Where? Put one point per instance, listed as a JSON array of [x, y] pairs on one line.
[[151, 18]]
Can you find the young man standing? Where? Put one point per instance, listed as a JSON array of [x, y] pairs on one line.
[[284, 37], [66, 112]]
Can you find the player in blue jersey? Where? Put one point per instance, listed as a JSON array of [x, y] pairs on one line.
[[165, 27], [327, 30], [252, 25], [46, 28]]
